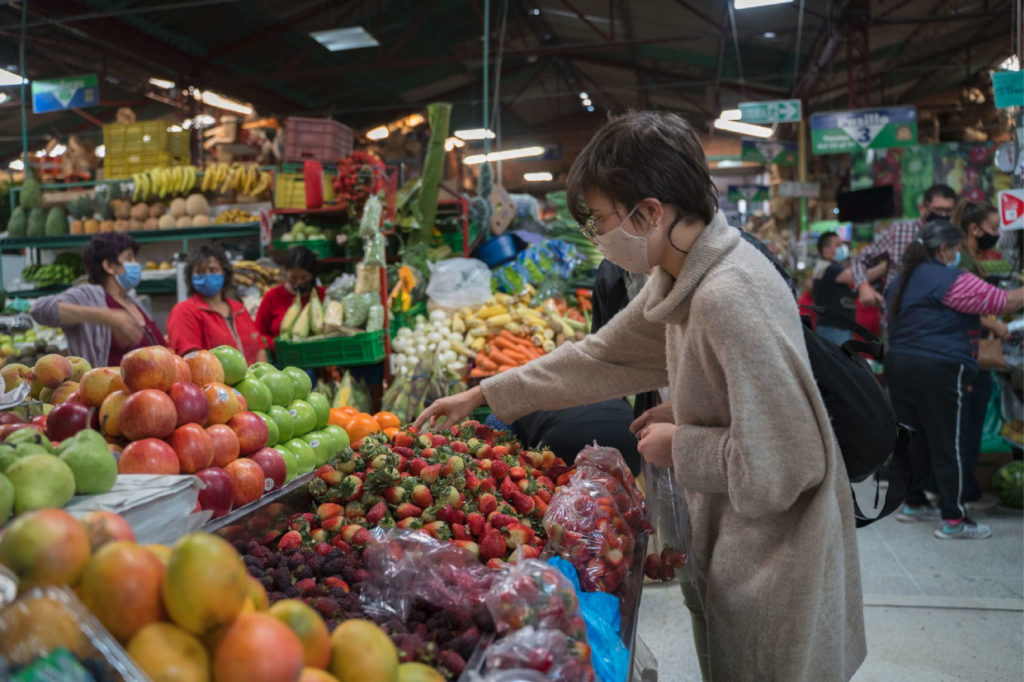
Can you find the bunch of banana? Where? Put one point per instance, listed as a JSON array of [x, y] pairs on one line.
[[235, 215], [248, 273], [163, 182], [242, 178], [48, 275]]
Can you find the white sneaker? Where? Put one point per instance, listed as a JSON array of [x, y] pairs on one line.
[[925, 512], [965, 530]]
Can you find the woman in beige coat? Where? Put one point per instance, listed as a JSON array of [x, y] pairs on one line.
[[769, 499]]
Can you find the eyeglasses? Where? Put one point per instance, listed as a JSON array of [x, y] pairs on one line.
[[588, 228]]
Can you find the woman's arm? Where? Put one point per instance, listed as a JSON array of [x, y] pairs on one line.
[[972, 295], [122, 325], [874, 272]]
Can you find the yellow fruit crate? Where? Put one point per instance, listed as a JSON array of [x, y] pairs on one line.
[[145, 136], [290, 190], [119, 166]]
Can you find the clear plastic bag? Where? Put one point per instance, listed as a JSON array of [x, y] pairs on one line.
[[667, 556], [606, 466], [459, 282], [546, 651]]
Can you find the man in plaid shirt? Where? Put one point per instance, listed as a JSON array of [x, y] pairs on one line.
[[938, 201]]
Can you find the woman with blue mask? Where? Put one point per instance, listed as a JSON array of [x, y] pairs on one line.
[[934, 328], [102, 319], [208, 318]]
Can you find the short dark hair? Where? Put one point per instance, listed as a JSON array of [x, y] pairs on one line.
[[823, 240], [938, 190], [301, 257], [105, 247], [200, 256], [933, 236], [644, 154]]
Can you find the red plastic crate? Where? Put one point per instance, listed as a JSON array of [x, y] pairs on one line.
[[316, 139]]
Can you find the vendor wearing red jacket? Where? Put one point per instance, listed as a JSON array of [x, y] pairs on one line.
[[300, 277], [208, 318]]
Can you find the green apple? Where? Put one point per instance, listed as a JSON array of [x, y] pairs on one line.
[[233, 362], [40, 481], [291, 462], [273, 433], [340, 436], [257, 395], [303, 417], [301, 383], [93, 466], [322, 408], [307, 458], [280, 385], [258, 369], [285, 427], [323, 447], [6, 499]]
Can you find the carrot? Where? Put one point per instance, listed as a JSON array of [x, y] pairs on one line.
[[505, 368], [483, 362], [502, 359], [477, 373]]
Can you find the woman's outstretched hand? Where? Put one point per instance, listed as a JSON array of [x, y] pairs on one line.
[[454, 409]]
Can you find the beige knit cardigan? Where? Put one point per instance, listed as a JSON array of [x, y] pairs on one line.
[[769, 499]]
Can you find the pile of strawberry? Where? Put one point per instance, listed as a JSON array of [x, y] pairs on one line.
[[476, 487]]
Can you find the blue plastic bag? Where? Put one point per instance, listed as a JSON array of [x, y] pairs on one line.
[[604, 627]]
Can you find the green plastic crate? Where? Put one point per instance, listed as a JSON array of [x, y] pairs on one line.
[[481, 413], [408, 318], [361, 349], [321, 247]]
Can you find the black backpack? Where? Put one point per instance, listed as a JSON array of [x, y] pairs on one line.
[[862, 415]]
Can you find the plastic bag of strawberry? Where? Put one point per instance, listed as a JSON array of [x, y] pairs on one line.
[[667, 549], [605, 466], [584, 526], [546, 651]]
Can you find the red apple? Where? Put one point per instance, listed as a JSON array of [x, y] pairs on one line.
[[110, 413], [274, 469], [66, 392], [8, 429], [52, 370], [182, 372], [225, 444], [149, 367], [66, 420], [194, 447], [98, 383], [147, 414], [243, 405], [105, 526], [8, 417], [217, 493], [247, 481], [205, 367], [224, 402], [251, 430], [190, 403], [148, 456], [40, 420]]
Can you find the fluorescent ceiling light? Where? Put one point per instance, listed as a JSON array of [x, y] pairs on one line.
[[10, 78], [413, 120], [521, 153], [57, 150], [453, 143], [731, 115], [743, 128], [338, 39], [538, 177], [174, 129], [748, 4], [1011, 63], [475, 134], [212, 99], [3, 97], [17, 165], [584, 95], [161, 83], [587, 102], [100, 151], [378, 133]]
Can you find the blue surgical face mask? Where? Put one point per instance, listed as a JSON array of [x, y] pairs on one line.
[[208, 285], [131, 277], [955, 263], [842, 253]]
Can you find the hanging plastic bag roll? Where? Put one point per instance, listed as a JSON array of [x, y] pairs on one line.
[[459, 282]]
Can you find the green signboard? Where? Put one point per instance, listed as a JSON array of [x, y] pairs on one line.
[[1009, 88], [775, 111], [766, 151], [72, 92], [836, 132], [748, 193]]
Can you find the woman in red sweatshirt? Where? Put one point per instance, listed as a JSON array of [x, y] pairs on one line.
[[300, 268]]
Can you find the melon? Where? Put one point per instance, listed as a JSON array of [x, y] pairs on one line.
[[183, 221], [166, 221], [1008, 483], [178, 207], [201, 220], [151, 224], [196, 205], [139, 212], [134, 225], [158, 209]]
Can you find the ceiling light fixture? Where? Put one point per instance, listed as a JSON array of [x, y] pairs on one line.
[[162, 83], [587, 102], [413, 120], [10, 78], [542, 176], [475, 134], [731, 115], [212, 99], [520, 153], [584, 95], [743, 128], [339, 39], [378, 133], [453, 143], [57, 150], [590, 108], [750, 4], [16, 165], [100, 151]]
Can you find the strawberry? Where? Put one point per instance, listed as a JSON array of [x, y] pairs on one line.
[[424, 440], [376, 513], [486, 503], [403, 451], [487, 485], [340, 543], [542, 505], [350, 488], [416, 465], [517, 534], [319, 535], [476, 523], [323, 549], [460, 532], [499, 451], [499, 469], [437, 441], [438, 530], [428, 453], [333, 581], [411, 523], [652, 566], [523, 503], [492, 545], [430, 474], [402, 439], [448, 495], [508, 488], [382, 461], [454, 465], [472, 482], [394, 494], [270, 537], [421, 496], [306, 585], [289, 541], [468, 545], [499, 520], [403, 463], [484, 432], [459, 447], [544, 494], [495, 563], [517, 473], [530, 552], [355, 510], [407, 510], [329, 475], [485, 464], [535, 458], [328, 510]]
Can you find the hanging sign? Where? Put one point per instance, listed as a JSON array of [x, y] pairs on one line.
[[798, 190], [1008, 87], [775, 111], [748, 193], [72, 92], [766, 151], [1011, 209], [835, 132]]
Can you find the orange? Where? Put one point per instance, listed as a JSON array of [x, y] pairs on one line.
[[387, 420], [391, 431], [308, 627], [361, 426], [341, 415], [165, 652]]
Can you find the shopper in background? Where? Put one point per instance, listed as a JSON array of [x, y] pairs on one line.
[[773, 525], [300, 269], [831, 286], [979, 222], [208, 318], [932, 358], [102, 320], [937, 202]]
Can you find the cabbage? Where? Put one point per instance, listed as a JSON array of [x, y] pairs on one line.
[[1008, 482]]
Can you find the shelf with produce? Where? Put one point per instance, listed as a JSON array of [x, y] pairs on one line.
[[153, 287], [142, 236], [324, 210]]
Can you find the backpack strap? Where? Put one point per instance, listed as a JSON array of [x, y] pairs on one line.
[[899, 480]]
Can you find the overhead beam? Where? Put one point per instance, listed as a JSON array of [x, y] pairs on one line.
[[286, 23], [585, 20]]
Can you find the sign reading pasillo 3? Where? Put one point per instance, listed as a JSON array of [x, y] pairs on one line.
[[835, 132]]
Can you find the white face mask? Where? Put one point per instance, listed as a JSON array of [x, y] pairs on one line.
[[627, 251]]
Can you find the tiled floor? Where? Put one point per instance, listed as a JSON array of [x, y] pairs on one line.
[[935, 611]]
